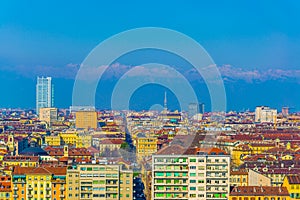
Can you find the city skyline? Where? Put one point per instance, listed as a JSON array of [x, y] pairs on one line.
[[255, 54]]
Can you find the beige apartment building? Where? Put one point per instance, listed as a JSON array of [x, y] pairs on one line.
[[48, 115], [86, 119], [99, 181], [248, 178]]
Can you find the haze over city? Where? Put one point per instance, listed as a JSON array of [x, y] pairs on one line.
[[255, 46], [149, 100]]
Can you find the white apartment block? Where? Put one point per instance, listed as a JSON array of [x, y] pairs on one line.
[[203, 175]]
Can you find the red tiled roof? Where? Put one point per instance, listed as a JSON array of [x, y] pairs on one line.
[[58, 170], [259, 191], [112, 141], [240, 172], [293, 179], [21, 158]]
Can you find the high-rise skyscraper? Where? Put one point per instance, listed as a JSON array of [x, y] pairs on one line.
[[193, 109], [44, 93]]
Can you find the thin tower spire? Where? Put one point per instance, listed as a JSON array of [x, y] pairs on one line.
[[165, 101]]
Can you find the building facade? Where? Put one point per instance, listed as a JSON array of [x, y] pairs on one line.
[[201, 175], [265, 114], [99, 181], [48, 115], [259, 193], [146, 146], [86, 119], [39, 183], [44, 93]]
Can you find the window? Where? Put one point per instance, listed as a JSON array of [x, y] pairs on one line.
[[192, 188], [192, 174]]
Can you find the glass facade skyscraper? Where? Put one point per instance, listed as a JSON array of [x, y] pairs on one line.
[[44, 93]]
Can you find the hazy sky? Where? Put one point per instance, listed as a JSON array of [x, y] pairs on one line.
[[53, 37]]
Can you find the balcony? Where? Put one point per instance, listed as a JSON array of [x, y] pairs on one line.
[[62, 188], [48, 195], [217, 163], [15, 196], [62, 196], [48, 188], [16, 188], [30, 195], [218, 170], [111, 191], [30, 188], [171, 183]]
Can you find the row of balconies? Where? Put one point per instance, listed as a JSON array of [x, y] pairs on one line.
[[30, 195], [31, 188]]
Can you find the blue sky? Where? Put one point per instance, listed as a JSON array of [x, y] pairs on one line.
[[43, 37]]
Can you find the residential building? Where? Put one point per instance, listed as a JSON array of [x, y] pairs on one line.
[[248, 178], [110, 144], [146, 146], [292, 183], [86, 119], [48, 115], [5, 187], [99, 181], [53, 140], [44, 93], [24, 161], [39, 182], [195, 173], [265, 114], [259, 193]]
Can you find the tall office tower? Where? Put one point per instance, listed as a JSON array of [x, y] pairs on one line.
[[202, 108], [44, 93], [198, 174], [193, 109]]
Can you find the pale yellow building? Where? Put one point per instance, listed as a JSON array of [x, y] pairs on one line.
[[48, 115], [53, 140], [146, 146], [86, 119], [78, 140]]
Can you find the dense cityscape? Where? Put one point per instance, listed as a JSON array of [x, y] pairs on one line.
[[149, 100], [84, 153]]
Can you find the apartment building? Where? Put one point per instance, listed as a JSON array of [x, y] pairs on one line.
[[39, 183], [292, 183], [192, 174], [248, 178], [86, 119], [259, 193], [146, 146], [99, 181]]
